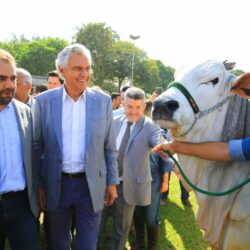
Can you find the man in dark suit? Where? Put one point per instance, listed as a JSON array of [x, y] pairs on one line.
[[18, 192], [75, 152], [133, 163]]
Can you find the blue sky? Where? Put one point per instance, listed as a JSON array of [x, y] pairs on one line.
[[174, 31]]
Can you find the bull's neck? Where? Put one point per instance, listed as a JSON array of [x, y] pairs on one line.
[[208, 128]]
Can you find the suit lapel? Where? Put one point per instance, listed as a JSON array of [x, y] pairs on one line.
[[21, 121], [135, 131], [90, 107], [56, 107], [25, 129]]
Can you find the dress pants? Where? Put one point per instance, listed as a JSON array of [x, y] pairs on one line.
[[75, 199], [123, 215], [17, 223]]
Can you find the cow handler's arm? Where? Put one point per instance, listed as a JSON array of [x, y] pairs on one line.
[[218, 151], [215, 151]]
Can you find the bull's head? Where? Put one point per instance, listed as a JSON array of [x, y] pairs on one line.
[[198, 90]]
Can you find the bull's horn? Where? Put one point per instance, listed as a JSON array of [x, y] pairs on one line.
[[229, 65]]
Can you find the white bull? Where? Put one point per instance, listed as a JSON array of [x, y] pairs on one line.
[[224, 219]]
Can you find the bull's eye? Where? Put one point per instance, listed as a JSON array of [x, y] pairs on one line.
[[213, 81]]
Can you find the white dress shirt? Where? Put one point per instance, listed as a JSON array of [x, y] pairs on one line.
[[118, 112], [73, 133]]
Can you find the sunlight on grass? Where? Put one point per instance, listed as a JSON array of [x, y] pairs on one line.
[[178, 228]]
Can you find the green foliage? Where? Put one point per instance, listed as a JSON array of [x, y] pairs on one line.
[[38, 55], [41, 54], [237, 72], [122, 62], [16, 47], [149, 75], [112, 58], [100, 40], [109, 87], [166, 74]]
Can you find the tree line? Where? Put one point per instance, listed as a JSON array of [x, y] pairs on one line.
[[111, 58]]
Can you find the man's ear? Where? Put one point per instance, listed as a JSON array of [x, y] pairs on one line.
[[28, 85], [241, 86], [60, 69]]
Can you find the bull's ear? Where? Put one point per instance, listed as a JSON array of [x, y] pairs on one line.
[[241, 86]]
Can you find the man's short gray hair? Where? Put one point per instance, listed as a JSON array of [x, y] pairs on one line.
[[135, 94], [26, 74], [63, 56]]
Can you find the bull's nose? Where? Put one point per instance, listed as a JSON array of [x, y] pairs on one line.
[[172, 105], [169, 105], [164, 109]]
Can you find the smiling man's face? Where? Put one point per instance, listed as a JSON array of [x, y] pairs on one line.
[[77, 72], [7, 82]]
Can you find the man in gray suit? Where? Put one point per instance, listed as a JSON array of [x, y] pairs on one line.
[[76, 152], [18, 189], [24, 86], [133, 163]]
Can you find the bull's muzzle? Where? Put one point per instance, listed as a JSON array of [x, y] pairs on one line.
[[164, 109]]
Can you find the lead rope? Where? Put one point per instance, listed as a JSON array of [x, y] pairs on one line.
[[229, 191]]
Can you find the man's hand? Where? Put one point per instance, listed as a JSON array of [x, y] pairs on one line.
[[164, 187], [110, 195], [42, 199], [164, 183], [153, 97], [164, 146]]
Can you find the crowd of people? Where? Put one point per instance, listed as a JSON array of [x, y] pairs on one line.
[[73, 152]]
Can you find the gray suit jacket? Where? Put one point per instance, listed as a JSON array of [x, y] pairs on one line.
[[136, 166], [101, 153], [25, 127]]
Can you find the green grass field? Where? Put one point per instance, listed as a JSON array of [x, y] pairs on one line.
[[178, 229]]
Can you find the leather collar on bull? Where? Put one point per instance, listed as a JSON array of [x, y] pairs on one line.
[[194, 106]]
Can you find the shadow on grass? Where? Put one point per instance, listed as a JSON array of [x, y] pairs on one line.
[[178, 224]]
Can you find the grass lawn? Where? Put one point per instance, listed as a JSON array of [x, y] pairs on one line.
[[178, 229]]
